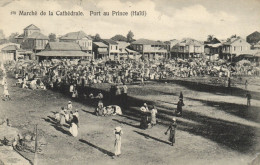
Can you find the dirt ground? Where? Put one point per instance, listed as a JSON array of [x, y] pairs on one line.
[[216, 127]]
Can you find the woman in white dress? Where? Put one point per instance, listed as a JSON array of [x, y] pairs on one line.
[[118, 134], [6, 93], [74, 126]]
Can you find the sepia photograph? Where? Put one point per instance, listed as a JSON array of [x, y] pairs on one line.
[[130, 82]]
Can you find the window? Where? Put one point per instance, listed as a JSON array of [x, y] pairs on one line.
[[241, 48], [141, 47], [116, 47], [234, 48], [111, 47]]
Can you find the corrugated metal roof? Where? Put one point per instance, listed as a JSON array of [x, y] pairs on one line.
[[31, 27], [63, 54], [10, 47], [67, 46], [122, 44], [110, 41], [147, 42], [100, 44], [75, 36], [37, 35]]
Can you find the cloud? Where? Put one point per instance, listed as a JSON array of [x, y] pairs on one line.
[[163, 22]]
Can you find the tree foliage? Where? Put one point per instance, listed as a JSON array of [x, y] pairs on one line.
[[119, 37], [12, 36], [210, 38], [97, 38], [130, 36], [52, 37]]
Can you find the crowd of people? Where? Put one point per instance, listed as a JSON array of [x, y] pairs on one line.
[[56, 73], [75, 78]]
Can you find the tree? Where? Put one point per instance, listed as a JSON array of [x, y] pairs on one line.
[[52, 37], [2, 36], [234, 36], [210, 38], [119, 37], [97, 37], [130, 36], [12, 36]]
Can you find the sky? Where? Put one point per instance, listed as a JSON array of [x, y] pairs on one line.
[[165, 19]]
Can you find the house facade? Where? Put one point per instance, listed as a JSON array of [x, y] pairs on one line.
[[187, 48], [81, 38], [234, 47], [32, 40], [212, 49], [100, 50], [35, 42], [9, 52], [149, 49], [113, 49]]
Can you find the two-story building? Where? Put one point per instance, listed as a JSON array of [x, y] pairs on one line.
[[31, 41], [169, 45], [35, 42], [81, 38], [113, 49], [188, 48], [125, 52], [234, 47], [27, 32], [212, 49], [100, 50], [149, 49]]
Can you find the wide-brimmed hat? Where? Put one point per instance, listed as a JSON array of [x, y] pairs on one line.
[[69, 102], [118, 128], [174, 119]]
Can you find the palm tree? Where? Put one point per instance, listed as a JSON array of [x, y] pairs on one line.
[[210, 38]]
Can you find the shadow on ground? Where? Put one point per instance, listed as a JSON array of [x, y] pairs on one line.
[[96, 147], [232, 135]]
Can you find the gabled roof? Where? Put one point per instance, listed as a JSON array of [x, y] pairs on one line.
[[10, 47], [122, 44], [13, 45], [256, 33], [31, 27], [37, 35], [20, 36], [100, 44], [75, 36], [189, 41], [110, 41], [66, 46], [147, 42], [233, 40]]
